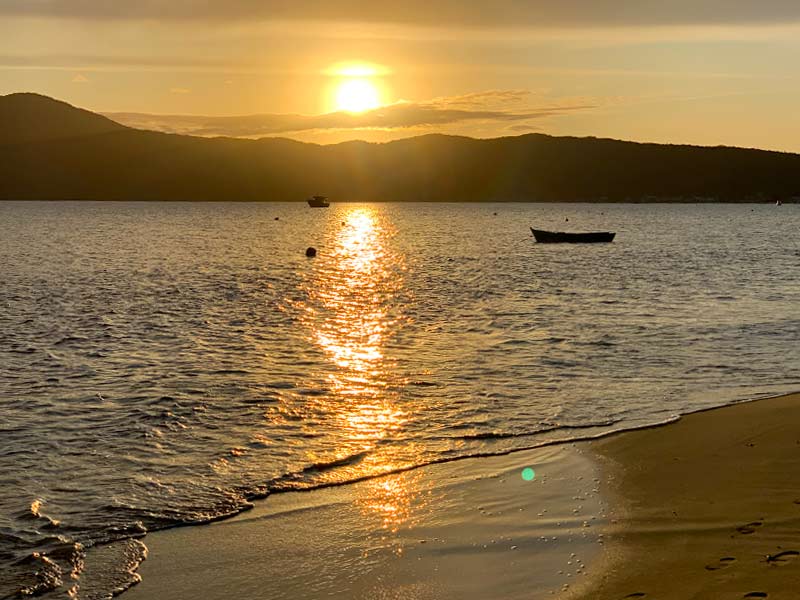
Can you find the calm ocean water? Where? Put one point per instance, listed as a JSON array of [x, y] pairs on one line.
[[167, 363]]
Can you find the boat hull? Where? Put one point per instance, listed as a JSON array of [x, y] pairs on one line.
[[318, 202], [562, 237]]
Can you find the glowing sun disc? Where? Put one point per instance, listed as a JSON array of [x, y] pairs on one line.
[[357, 95]]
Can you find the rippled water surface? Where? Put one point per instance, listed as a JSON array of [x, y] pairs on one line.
[[163, 364]]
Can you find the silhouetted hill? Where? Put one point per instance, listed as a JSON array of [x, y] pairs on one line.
[[50, 150], [33, 117]]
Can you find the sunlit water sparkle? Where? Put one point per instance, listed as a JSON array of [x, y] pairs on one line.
[[167, 363]]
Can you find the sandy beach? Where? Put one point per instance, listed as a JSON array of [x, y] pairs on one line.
[[707, 507], [468, 529]]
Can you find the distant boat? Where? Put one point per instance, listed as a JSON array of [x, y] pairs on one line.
[[778, 203], [561, 237], [318, 202]]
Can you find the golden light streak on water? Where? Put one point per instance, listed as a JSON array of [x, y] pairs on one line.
[[397, 502], [352, 295], [352, 315]]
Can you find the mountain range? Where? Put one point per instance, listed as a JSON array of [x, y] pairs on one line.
[[50, 150]]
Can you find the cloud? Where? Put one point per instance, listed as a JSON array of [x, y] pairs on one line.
[[497, 107], [538, 13], [79, 78], [524, 128], [487, 98]]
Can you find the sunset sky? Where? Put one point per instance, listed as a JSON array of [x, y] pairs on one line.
[[684, 71]]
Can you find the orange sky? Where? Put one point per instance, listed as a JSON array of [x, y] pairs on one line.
[[705, 72]]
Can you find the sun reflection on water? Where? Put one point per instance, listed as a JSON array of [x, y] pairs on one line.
[[396, 502], [351, 317], [351, 311], [352, 290]]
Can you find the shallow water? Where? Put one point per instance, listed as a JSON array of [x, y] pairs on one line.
[[469, 529], [165, 363]]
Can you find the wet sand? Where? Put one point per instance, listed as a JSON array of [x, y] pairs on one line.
[[708, 507], [466, 529]]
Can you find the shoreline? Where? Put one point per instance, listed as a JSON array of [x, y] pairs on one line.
[[707, 506], [431, 532], [437, 515]]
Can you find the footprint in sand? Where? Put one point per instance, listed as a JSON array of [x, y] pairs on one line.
[[755, 595], [724, 562], [782, 558], [749, 528]]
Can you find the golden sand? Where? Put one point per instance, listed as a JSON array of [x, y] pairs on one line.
[[708, 507]]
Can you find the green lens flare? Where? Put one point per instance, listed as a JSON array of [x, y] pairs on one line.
[[528, 474]]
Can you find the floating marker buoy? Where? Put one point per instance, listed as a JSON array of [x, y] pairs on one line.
[[311, 252]]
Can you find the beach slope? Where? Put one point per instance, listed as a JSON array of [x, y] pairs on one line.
[[523, 526], [707, 507]]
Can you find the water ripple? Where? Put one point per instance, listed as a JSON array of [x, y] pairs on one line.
[[165, 364]]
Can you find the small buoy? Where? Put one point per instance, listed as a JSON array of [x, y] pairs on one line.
[[311, 251], [567, 219], [495, 214], [277, 218]]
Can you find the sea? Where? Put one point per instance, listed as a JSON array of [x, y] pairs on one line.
[[170, 364]]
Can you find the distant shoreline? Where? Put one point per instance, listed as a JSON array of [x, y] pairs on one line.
[[335, 202], [52, 150]]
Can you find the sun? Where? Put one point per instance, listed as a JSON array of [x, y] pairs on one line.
[[356, 86], [357, 95]]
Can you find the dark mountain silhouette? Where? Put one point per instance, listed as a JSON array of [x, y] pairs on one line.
[[32, 117], [51, 150]]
